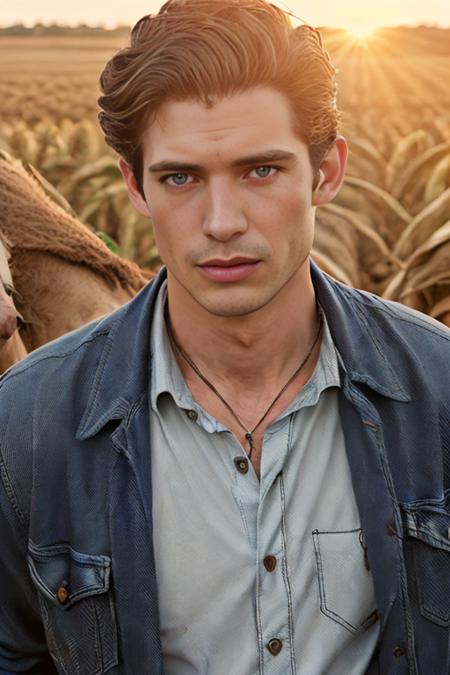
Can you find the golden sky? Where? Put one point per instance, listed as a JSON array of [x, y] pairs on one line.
[[353, 14]]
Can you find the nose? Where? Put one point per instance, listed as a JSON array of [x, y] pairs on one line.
[[224, 216]]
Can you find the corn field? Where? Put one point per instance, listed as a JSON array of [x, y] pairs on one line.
[[387, 232]]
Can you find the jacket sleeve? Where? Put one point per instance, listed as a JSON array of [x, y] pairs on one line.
[[23, 646]]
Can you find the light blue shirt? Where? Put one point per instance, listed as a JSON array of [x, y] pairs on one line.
[[256, 576]]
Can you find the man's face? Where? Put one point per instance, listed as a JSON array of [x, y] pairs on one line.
[[229, 191]]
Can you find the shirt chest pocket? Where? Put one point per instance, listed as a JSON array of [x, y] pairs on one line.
[[77, 608], [426, 530], [345, 583]]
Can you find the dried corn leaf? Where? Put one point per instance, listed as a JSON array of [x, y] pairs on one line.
[[416, 301], [328, 265], [439, 180], [434, 271], [439, 237], [366, 149], [440, 308], [58, 163], [394, 288], [105, 164], [381, 198], [415, 143], [50, 190], [414, 286], [353, 199], [419, 170], [423, 225], [335, 238], [437, 261], [367, 232]]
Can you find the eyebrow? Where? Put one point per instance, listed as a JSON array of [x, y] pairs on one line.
[[260, 158]]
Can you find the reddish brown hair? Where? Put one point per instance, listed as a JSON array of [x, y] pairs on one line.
[[206, 49]]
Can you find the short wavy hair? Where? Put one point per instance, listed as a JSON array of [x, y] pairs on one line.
[[208, 49]]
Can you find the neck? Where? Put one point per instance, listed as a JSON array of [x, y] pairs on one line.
[[254, 351]]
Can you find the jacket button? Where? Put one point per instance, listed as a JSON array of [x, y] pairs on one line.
[[241, 464], [63, 593], [270, 562], [274, 646], [398, 652], [192, 415]]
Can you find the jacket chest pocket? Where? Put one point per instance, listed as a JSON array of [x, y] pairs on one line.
[[346, 588], [426, 528], [77, 608]]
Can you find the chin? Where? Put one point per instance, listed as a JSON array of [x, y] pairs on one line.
[[233, 307], [228, 312]]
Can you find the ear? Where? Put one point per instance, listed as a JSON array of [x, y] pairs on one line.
[[136, 198], [331, 172]]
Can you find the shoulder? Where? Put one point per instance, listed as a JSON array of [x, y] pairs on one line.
[[66, 374], [354, 312], [66, 354], [395, 320], [416, 346], [44, 398], [390, 314], [396, 350], [44, 395], [80, 350]]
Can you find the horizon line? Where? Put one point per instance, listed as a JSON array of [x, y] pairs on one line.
[[83, 24]]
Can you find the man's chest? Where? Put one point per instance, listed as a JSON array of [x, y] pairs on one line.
[[273, 560]]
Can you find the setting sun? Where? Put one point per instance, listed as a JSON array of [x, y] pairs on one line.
[[362, 33]]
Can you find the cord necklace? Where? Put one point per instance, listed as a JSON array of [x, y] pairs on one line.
[[248, 433]]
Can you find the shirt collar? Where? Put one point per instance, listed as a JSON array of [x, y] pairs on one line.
[[166, 374]]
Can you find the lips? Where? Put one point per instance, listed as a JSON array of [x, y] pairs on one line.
[[234, 269]]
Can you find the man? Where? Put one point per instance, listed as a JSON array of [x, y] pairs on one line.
[[244, 470]]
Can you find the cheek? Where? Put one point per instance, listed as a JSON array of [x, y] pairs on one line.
[[172, 239], [162, 233], [298, 225], [290, 212], [164, 243]]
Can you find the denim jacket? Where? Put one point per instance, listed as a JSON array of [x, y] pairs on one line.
[[78, 591]]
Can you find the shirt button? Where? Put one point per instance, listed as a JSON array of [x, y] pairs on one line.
[[270, 562], [398, 652], [274, 646], [192, 415], [63, 593], [241, 464]]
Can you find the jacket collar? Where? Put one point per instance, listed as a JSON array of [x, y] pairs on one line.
[[123, 371], [368, 348]]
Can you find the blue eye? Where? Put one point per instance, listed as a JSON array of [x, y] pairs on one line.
[[263, 171], [178, 178]]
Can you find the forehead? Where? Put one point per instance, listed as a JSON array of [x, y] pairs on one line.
[[238, 123], [5, 274]]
